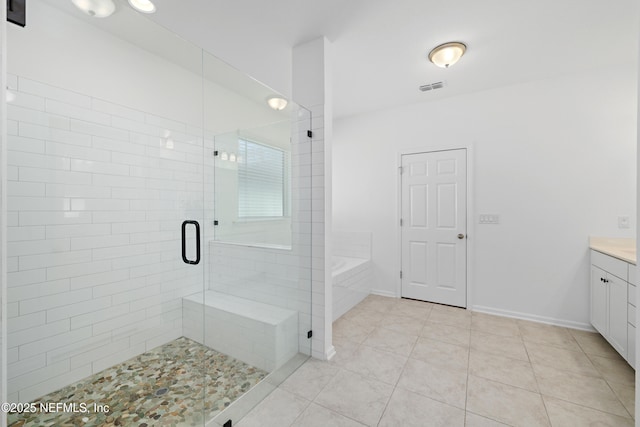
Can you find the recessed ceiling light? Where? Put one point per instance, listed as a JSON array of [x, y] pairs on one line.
[[447, 54], [277, 103], [144, 6], [96, 8]]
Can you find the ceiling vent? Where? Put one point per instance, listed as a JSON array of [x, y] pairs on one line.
[[432, 86]]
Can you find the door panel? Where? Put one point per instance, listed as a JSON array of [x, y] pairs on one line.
[[434, 214], [419, 212], [418, 268], [599, 301], [618, 313], [446, 266], [447, 206]]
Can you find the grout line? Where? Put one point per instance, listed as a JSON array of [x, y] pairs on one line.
[[395, 386], [466, 387], [535, 377], [591, 408]]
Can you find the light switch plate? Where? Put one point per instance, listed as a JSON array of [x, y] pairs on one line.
[[489, 219]]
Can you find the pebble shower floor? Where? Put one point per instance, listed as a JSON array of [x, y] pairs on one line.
[[162, 387]]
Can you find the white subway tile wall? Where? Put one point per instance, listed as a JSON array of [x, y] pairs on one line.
[[321, 320], [96, 201], [97, 198]]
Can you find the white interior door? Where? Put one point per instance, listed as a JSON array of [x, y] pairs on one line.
[[433, 227]]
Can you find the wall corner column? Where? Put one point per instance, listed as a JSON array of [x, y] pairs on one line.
[[312, 88]]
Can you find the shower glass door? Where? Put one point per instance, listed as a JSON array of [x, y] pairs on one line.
[[159, 227], [258, 211], [105, 164]]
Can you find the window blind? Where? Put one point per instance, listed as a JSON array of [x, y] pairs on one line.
[[261, 174]]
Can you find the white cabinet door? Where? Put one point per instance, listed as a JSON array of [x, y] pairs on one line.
[[631, 350], [599, 300], [617, 313]]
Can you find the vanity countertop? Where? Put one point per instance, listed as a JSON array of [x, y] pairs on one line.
[[621, 248]]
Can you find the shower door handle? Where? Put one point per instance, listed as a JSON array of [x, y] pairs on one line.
[[184, 242]]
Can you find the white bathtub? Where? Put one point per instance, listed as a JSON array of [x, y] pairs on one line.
[[351, 283]]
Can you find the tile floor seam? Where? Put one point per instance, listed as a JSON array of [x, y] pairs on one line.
[[612, 357], [535, 377], [301, 412], [446, 342], [617, 397], [525, 341], [487, 417], [586, 407], [395, 386], [510, 385], [606, 380], [506, 356], [466, 387], [342, 415]]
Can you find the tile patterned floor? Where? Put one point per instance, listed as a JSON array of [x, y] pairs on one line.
[[162, 387], [410, 363]]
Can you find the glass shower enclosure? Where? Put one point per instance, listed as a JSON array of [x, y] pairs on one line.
[[158, 227]]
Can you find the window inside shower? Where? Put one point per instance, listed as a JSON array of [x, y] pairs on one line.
[[122, 298], [261, 181]]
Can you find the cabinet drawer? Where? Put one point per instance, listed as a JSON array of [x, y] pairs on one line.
[[610, 264], [631, 314], [633, 277], [631, 298]]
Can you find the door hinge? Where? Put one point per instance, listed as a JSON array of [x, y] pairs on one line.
[[400, 169], [401, 274], [215, 153], [215, 222], [309, 334], [400, 222], [310, 134]]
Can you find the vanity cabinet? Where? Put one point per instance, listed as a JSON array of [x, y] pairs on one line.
[[613, 303], [631, 316]]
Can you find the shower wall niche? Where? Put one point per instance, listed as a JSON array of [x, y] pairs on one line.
[[112, 144]]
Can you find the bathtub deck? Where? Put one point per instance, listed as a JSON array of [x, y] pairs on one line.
[[351, 284]]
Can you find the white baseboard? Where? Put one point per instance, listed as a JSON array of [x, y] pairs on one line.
[[534, 318], [383, 293], [331, 351], [324, 355]]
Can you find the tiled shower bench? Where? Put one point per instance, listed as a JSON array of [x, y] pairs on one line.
[[259, 334]]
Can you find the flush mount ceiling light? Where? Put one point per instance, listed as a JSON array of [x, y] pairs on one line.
[[144, 6], [96, 8], [447, 54], [277, 103]]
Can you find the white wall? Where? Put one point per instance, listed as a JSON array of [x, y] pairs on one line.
[[556, 160], [58, 49]]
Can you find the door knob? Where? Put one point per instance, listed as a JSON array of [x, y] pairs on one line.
[[460, 236]]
